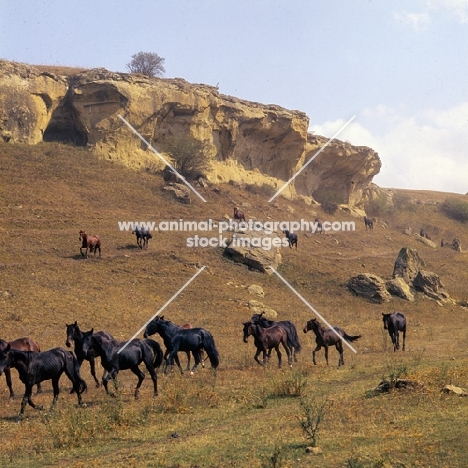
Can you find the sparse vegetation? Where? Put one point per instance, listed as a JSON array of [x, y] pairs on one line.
[[242, 415], [456, 209], [148, 63]]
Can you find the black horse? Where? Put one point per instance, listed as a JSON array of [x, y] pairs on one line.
[[75, 336], [293, 340], [142, 236], [136, 352], [369, 222], [177, 339], [35, 367], [292, 238], [326, 337], [395, 323]]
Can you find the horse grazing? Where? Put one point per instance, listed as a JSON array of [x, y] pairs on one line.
[[136, 352], [142, 236], [91, 243], [369, 222], [395, 323], [327, 337], [239, 214], [292, 238], [75, 336], [266, 339], [21, 344], [183, 339], [35, 367]]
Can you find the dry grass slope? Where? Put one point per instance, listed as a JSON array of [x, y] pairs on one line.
[[242, 415]]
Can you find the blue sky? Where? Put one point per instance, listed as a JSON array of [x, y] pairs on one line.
[[401, 67]]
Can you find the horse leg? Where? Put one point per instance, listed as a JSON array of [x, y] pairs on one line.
[[55, 386], [141, 376], [27, 400], [404, 337], [152, 372], [318, 348], [39, 388], [339, 348], [8, 381], [278, 353], [326, 353], [93, 370], [288, 353], [188, 359], [258, 360]]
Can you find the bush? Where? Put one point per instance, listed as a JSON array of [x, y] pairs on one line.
[[377, 206], [456, 209], [149, 63]]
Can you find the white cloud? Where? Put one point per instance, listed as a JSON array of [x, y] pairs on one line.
[[418, 21], [456, 8], [427, 151]]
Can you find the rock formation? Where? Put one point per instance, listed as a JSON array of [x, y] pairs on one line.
[[247, 142], [370, 286], [408, 264]]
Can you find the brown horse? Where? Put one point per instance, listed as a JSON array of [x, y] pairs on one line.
[[327, 337], [91, 243], [265, 339], [318, 226], [239, 214], [21, 344]]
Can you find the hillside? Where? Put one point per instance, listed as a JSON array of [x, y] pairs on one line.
[[50, 191]]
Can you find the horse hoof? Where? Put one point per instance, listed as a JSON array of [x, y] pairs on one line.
[[82, 405], [39, 407], [191, 372]]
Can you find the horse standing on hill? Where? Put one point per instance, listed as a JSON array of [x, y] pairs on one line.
[[318, 225], [91, 243], [136, 352], [395, 323], [177, 339], [75, 336], [369, 222], [239, 214], [292, 238], [142, 236], [266, 339], [293, 340], [328, 337], [21, 344], [35, 367]]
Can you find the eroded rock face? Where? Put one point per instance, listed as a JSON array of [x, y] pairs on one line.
[[408, 264], [398, 287], [247, 142], [369, 286]]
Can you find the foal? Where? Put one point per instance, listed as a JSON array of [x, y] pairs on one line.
[[328, 337]]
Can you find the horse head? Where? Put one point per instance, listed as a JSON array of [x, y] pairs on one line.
[[153, 327], [311, 324], [247, 330], [386, 319], [72, 329], [83, 235], [5, 357], [88, 341]]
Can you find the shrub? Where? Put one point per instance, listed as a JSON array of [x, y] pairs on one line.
[[456, 209], [149, 63]]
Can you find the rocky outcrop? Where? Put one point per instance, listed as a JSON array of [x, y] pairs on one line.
[[247, 142], [399, 288], [369, 286], [408, 264]]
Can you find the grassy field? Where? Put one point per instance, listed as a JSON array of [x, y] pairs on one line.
[[242, 415]]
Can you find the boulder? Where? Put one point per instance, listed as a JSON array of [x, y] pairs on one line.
[[426, 241], [259, 308], [429, 283], [180, 192], [256, 290], [398, 287], [456, 244], [451, 389], [369, 286], [408, 264], [256, 251]]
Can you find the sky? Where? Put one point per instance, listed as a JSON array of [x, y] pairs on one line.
[[400, 67]]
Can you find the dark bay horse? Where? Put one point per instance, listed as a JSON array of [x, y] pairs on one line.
[[266, 339], [318, 226], [142, 236], [239, 214], [327, 337], [292, 238], [177, 339], [293, 339], [21, 344], [136, 352], [395, 323], [369, 222], [75, 336], [91, 243], [35, 367]]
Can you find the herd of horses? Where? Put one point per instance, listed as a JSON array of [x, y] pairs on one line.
[[35, 366]]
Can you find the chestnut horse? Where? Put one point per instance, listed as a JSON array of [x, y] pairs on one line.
[[265, 339], [91, 243], [21, 344], [239, 214]]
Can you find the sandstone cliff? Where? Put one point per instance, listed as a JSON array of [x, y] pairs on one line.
[[248, 142]]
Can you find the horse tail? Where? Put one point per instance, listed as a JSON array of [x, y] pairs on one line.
[[351, 338], [73, 372], [157, 352], [210, 348], [293, 339]]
